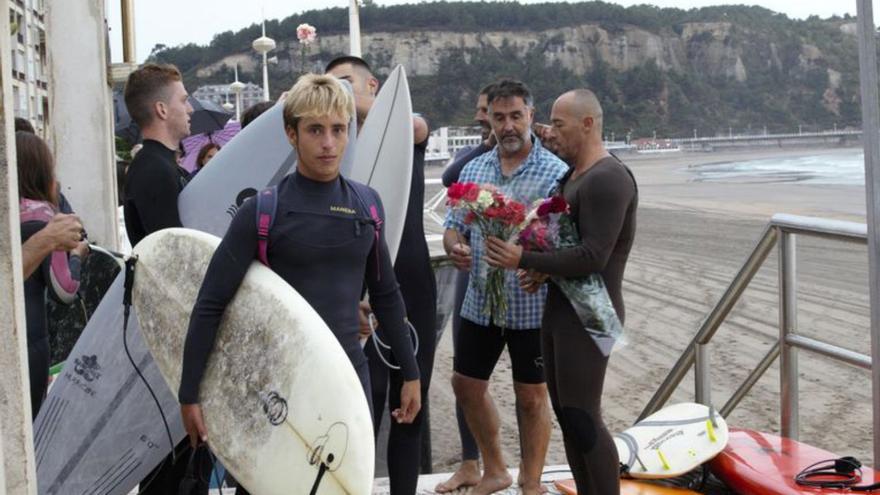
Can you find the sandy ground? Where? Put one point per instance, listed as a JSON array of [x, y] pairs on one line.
[[692, 238]]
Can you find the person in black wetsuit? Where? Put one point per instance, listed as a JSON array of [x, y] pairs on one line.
[[59, 270], [324, 243], [417, 285], [157, 101], [603, 197], [468, 473]]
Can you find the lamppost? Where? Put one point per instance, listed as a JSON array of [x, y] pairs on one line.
[[226, 105], [263, 45], [354, 29], [237, 87]]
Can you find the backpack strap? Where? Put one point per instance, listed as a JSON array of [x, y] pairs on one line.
[[267, 203], [373, 210]]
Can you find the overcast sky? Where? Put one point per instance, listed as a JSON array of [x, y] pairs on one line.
[[174, 22]]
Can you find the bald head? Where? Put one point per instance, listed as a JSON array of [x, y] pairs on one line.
[[577, 125], [582, 103]]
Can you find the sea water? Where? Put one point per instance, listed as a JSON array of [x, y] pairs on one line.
[[841, 167]]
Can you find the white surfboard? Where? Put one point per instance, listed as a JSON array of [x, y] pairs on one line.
[[385, 153], [672, 441], [283, 406]]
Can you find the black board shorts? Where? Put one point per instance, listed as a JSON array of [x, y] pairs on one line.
[[479, 347]]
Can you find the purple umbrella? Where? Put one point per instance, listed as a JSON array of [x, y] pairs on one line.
[[193, 144]]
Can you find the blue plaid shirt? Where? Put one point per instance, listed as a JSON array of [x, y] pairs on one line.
[[536, 178]]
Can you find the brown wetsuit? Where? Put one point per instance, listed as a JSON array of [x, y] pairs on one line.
[[603, 204]]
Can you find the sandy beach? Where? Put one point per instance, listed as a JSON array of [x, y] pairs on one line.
[[692, 237]]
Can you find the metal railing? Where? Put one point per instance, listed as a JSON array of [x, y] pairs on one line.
[[782, 231]]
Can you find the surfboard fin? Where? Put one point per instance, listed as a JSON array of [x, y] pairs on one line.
[[663, 460], [711, 431]]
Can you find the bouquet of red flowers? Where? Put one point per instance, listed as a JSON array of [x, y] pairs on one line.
[[549, 228], [496, 215]]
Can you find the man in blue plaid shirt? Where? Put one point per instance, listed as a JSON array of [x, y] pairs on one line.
[[523, 170]]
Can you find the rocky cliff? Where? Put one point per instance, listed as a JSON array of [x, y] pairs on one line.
[[720, 70]]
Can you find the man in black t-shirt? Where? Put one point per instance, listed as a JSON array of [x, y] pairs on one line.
[[157, 102]]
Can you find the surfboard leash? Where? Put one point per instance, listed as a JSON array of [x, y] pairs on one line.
[[130, 264], [842, 473]]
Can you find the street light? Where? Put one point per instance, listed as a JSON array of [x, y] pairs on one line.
[[237, 87], [226, 105], [263, 45]]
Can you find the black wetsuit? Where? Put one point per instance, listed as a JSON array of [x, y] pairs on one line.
[[419, 289], [36, 288], [152, 185], [323, 243], [469, 449], [603, 203]]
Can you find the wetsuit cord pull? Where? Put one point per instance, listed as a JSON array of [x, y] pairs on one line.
[[378, 341], [126, 302]]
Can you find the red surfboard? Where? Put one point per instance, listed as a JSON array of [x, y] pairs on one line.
[[761, 463], [629, 487]]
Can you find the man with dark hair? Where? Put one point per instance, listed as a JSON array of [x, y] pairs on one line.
[[254, 111], [468, 473], [157, 102], [523, 170], [417, 285]]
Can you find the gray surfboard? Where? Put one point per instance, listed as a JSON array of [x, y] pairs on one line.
[[385, 156], [99, 431]]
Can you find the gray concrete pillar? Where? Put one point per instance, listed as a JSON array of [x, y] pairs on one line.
[[16, 438], [81, 105]]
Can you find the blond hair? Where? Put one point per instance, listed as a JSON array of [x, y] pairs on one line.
[[316, 95]]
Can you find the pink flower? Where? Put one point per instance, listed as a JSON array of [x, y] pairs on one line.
[[306, 33]]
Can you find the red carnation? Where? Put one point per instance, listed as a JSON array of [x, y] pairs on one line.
[[456, 191], [471, 192], [493, 212], [558, 204]]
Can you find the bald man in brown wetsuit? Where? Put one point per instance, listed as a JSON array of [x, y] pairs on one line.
[[603, 197]]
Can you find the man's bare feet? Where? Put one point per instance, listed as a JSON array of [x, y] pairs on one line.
[[468, 474], [533, 488], [492, 483]]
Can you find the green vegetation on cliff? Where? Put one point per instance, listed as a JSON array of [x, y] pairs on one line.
[[783, 88]]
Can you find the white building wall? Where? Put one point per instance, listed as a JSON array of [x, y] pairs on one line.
[[82, 112]]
